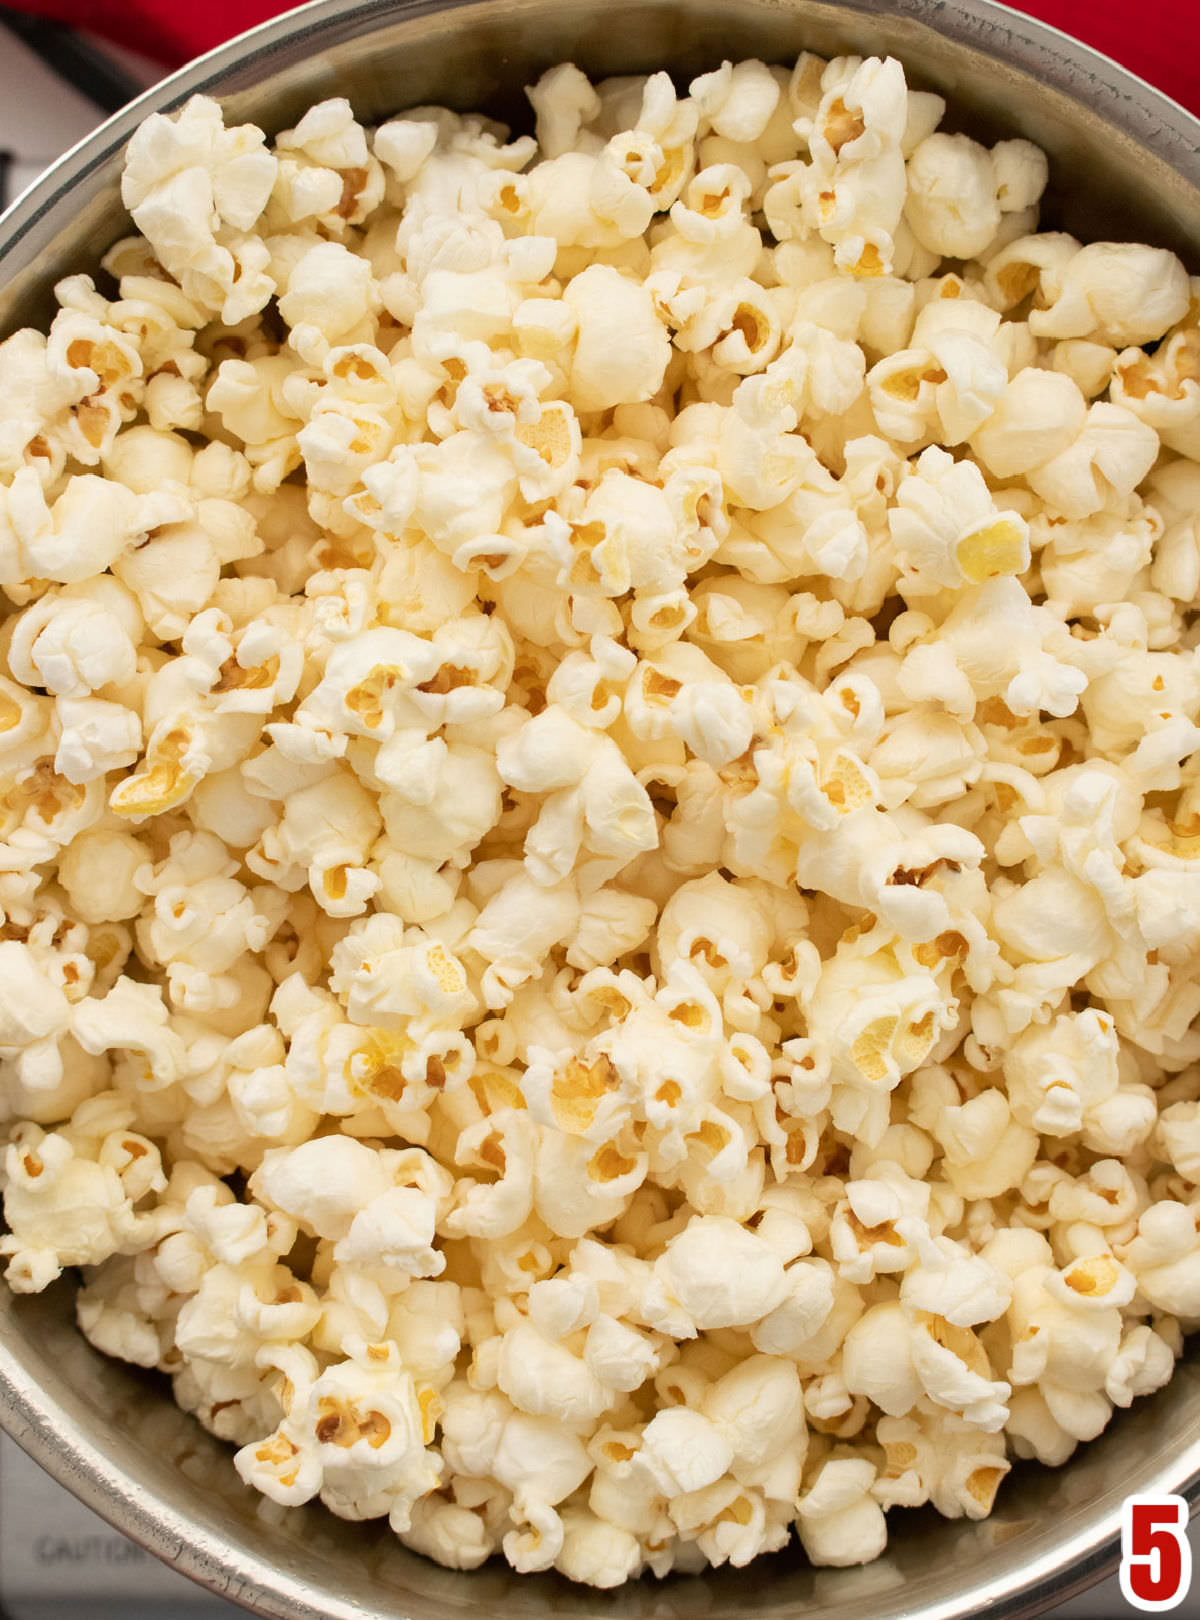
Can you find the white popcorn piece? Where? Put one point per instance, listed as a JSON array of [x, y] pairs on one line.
[[132, 1018], [1113, 453], [330, 296], [451, 1534], [949, 532], [1057, 1074], [196, 189], [64, 1208], [682, 1451], [838, 1519], [323, 1183], [354, 1434], [403, 144], [952, 205], [32, 1006], [1162, 1258], [89, 525], [74, 644], [877, 1360], [853, 191], [1145, 1362], [597, 1553], [544, 1378], [1021, 173], [1116, 292], [939, 1459], [621, 348], [1070, 1350], [563, 101], [1039, 416], [759, 1407], [953, 1368], [721, 1274], [96, 738], [737, 100]]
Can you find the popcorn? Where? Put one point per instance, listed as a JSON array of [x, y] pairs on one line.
[[1039, 415], [621, 348], [1021, 173], [1111, 456], [838, 1520], [95, 738], [332, 172], [90, 523], [132, 1018], [196, 189], [927, 527], [877, 1361], [646, 770], [682, 1451], [758, 1406], [988, 1149], [597, 1553], [32, 1005], [722, 1275], [611, 925], [1057, 1073], [352, 1434], [1064, 1347], [938, 1458], [1115, 292], [737, 100], [64, 1207], [874, 1025], [546, 1380], [563, 102], [852, 192], [953, 1369], [330, 296], [77, 642], [1162, 1257], [952, 206]]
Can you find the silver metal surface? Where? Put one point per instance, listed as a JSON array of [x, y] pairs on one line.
[[58, 1561], [1126, 163]]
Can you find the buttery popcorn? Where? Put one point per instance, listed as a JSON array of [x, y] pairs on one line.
[[600, 873]]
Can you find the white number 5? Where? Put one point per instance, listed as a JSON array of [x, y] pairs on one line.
[[1156, 1558]]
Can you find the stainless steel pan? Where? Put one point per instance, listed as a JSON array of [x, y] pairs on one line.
[[1125, 163]]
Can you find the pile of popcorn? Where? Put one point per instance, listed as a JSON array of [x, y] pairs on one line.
[[601, 813]]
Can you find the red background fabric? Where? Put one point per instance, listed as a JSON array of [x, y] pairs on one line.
[[1157, 39]]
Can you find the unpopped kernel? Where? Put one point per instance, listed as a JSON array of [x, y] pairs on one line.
[[600, 863]]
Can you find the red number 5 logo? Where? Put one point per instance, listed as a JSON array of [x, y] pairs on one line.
[[1156, 1559]]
